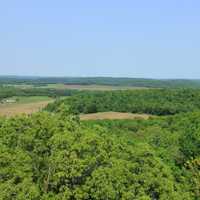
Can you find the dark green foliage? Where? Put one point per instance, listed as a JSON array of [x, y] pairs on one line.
[[155, 101], [6, 92]]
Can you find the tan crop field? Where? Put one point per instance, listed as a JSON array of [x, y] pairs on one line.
[[113, 115], [26, 105], [100, 87], [92, 87]]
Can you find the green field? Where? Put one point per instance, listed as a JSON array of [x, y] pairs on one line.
[[30, 99]]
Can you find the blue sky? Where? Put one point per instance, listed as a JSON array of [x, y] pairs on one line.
[[129, 38]]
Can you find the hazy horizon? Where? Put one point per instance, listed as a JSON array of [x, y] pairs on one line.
[[136, 39], [124, 77]]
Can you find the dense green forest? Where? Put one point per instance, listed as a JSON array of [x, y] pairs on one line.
[[54, 156], [151, 101], [136, 82], [9, 91]]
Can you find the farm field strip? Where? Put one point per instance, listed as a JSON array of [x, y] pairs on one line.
[[24, 106], [101, 87], [78, 87], [112, 115]]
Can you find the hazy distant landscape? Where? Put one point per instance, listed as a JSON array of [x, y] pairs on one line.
[[26, 89], [58, 82], [79, 133], [100, 100]]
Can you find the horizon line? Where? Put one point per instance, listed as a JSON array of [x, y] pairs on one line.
[[99, 76]]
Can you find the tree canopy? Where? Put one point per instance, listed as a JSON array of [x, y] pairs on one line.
[[55, 156], [151, 101]]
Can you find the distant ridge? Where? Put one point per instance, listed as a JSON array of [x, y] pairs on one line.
[[113, 81]]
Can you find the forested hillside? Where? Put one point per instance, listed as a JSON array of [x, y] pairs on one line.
[[54, 156], [154, 101]]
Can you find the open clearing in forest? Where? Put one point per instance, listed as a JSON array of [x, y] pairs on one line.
[[24, 105], [92, 87], [113, 115], [101, 87]]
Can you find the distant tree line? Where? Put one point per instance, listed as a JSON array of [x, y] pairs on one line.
[[9, 91], [136, 82], [151, 101]]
